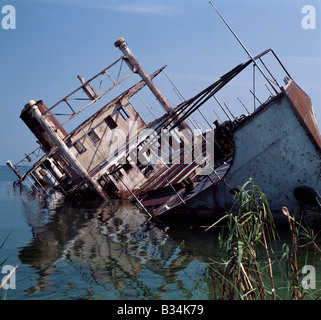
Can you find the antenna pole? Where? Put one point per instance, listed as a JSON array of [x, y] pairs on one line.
[[243, 46]]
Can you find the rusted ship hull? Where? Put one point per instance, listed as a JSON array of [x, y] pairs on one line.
[[278, 146]]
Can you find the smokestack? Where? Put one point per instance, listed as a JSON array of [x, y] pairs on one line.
[[29, 119]]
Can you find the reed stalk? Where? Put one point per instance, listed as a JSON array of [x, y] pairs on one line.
[[246, 270]]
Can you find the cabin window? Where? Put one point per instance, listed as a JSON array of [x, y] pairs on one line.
[[124, 113], [79, 147], [127, 166], [124, 164], [110, 122], [93, 136], [108, 186], [147, 170], [115, 172], [69, 143]]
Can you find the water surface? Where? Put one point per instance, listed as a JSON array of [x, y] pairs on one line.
[[106, 251], [99, 250]]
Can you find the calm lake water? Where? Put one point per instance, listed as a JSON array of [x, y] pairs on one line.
[[100, 251]]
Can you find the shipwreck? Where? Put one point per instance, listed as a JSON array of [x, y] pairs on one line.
[[165, 166]]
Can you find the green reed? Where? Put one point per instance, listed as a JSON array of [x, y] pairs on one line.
[[248, 263]]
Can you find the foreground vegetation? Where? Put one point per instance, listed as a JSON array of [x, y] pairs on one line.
[[248, 262]]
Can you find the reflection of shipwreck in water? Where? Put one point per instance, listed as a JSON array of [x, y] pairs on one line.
[[112, 246], [165, 166]]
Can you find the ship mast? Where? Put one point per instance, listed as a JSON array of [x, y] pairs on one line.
[[243, 46], [136, 67]]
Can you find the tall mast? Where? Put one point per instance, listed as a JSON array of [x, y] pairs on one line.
[[243, 46], [136, 67]]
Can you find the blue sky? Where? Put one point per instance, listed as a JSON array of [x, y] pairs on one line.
[[55, 40]]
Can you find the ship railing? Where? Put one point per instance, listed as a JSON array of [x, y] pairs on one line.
[[24, 163], [29, 158], [91, 90], [271, 79], [271, 83]]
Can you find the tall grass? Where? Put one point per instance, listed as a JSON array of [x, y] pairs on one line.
[[248, 261]]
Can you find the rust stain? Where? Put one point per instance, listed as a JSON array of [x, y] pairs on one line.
[[303, 106]]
